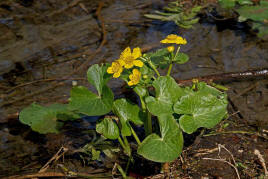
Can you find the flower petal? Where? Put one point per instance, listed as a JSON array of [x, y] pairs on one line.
[[136, 52], [131, 76], [130, 83], [121, 62], [126, 53], [116, 75], [138, 63], [110, 70], [128, 65]]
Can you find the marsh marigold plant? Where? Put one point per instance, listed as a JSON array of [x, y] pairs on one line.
[[177, 109]]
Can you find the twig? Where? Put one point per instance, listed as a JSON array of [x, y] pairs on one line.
[[43, 80], [245, 91], [228, 76], [72, 4], [104, 40], [58, 155], [82, 175], [261, 159], [224, 160], [31, 94], [38, 175], [236, 132]]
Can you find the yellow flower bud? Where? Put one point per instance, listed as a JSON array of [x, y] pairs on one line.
[[195, 80], [170, 48]]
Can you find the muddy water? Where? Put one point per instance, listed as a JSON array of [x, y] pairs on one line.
[[40, 42]]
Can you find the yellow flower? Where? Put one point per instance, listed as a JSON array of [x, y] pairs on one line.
[[129, 59], [134, 77], [116, 69], [170, 48], [195, 80], [174, 39]]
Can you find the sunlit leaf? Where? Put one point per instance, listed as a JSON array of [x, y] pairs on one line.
[[181, 58], [204, 108], [167, 93], [87, 102], [108, 128], [97, 76], [126, 112], [164, 148], [46, 119]]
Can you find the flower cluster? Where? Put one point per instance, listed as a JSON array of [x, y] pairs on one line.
[[174, 39], [127, 60]]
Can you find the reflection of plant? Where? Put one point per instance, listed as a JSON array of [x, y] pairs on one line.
[[248, 11], [177, 109], [183, 17]]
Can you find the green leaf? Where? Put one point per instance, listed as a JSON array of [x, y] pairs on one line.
[[43, 119], [164, 148], [158, 57], [86, 102], [227, 3], [245, 2], [167, 93], [95, 154], [108, 128], [141, 91], [204, 108], [98, 77], [255, 13], [181, 58], [126, 112]]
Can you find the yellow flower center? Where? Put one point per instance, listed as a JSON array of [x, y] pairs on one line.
[[116, 66], [129, 60]]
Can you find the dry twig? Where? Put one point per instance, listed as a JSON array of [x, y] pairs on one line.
[[261, 159], [56, 157], [224, 160]]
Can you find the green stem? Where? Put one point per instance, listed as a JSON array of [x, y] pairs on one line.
[[121, 170], [171, 62], [135, 136], [121, 143], [148, 120], [169, 69], [128, 162], [153, 67], [128, 149]]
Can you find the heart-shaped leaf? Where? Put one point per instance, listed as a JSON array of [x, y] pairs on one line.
[[108, 128], [204, 108], [181, 58], [98, 77], [164, 148], [167, 93], [126, 112], [158, 57], [46, 119], [86, 102]]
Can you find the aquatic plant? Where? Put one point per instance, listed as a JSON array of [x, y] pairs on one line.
[[183, 17], [248, 11], [175, 109]]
